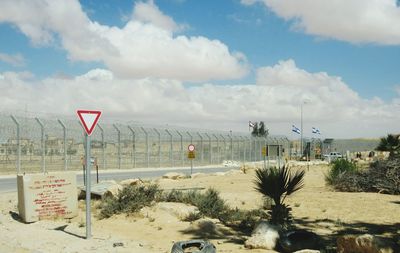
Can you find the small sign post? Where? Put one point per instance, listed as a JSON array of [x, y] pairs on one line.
[[89, 120], [191, 156]]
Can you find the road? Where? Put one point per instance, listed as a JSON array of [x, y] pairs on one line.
[[9, 184]]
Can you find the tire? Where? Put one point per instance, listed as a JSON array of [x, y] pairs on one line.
[[297, 240], [203, 246]]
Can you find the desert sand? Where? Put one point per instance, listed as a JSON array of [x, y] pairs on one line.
[[316, 207]]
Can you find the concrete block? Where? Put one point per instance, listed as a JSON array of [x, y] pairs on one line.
[[47, 196]]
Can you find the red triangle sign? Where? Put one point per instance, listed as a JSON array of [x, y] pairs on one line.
[[88, 119]]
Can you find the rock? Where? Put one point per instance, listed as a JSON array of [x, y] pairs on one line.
[[174, 175], [131, 182], [307, 251], [362, 244], [112, 190], [198, 175], [180, 210], [219, 174], [299, 239], [264, 236], [233, 172]]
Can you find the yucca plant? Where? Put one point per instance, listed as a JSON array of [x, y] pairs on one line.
[[277, 184]]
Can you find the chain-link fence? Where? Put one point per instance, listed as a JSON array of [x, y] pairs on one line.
[[39, 144]]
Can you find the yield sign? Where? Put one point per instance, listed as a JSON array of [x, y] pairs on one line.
[[88, 119]]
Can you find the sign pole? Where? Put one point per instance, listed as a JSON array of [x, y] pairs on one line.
[[87, 155], [191, 166]]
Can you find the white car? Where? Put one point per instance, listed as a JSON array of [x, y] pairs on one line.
[[332, 156]]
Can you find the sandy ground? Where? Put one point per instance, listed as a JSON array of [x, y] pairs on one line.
[[315, 207]]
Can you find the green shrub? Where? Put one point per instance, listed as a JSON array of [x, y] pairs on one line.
[[338, 168], [192, 217], [130, 200]]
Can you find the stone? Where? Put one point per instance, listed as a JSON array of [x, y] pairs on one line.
[[264, 236], [307, 251], [112, 191], [179, 210], [233, 172], [131, 182], [174, 175], [47, 196], [198, 175], [362, 244]]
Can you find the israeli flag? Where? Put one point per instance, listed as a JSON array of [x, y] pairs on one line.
[[315, 131], [295, 129]]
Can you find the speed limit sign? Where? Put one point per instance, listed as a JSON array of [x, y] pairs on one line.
[[191, 147]]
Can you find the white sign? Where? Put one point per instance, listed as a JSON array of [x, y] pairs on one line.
[[89, 119], [191, 147]]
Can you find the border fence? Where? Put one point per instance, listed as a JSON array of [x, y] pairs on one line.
[[40, 144]]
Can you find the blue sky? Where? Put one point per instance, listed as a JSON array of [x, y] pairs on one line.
[[276, 39]]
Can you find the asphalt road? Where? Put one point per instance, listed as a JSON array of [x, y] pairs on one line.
[[9, 184]]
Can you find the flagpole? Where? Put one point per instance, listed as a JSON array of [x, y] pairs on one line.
[[301, 131]]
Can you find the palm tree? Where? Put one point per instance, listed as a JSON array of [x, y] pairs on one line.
[[277, 184], [391, 143]]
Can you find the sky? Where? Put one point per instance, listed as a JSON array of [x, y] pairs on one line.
[[207, 64]]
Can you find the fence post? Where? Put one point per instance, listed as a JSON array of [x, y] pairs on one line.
[[218, 152], [18, 162], [182, 155], [191, 137], [133, 159], [171, 160], [159, 147], [119, 145], [201, 147], [103, 146], [244, 148], [42, 145], [147, 146], [223, 138], [65, 142], [230, 136], [210, 148], [255, 147]]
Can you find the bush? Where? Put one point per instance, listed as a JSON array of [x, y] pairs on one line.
[[130, 200], [245, 220], [209, 203], [381, 176], [338, 169]]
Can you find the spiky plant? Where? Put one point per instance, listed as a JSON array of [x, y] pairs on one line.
[[277, 184]]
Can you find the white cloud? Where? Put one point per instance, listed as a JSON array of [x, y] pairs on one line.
[[144, 47], [148, 12], [333, 107], [356, 21], [16, 60]]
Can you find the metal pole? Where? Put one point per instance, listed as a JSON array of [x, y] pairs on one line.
[[230, 136], [255, 147], [210, 148], [182, 155], [244, 148], [88, 181], [223, 138], [171, 160], [218, 152], [65, 143], [266, 155], [18, 144], [191, 137], [201, 147], [119, 145], [147, 146], [301, 131], [42, 144], [159, 147], [133, 146], [103, 146]]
